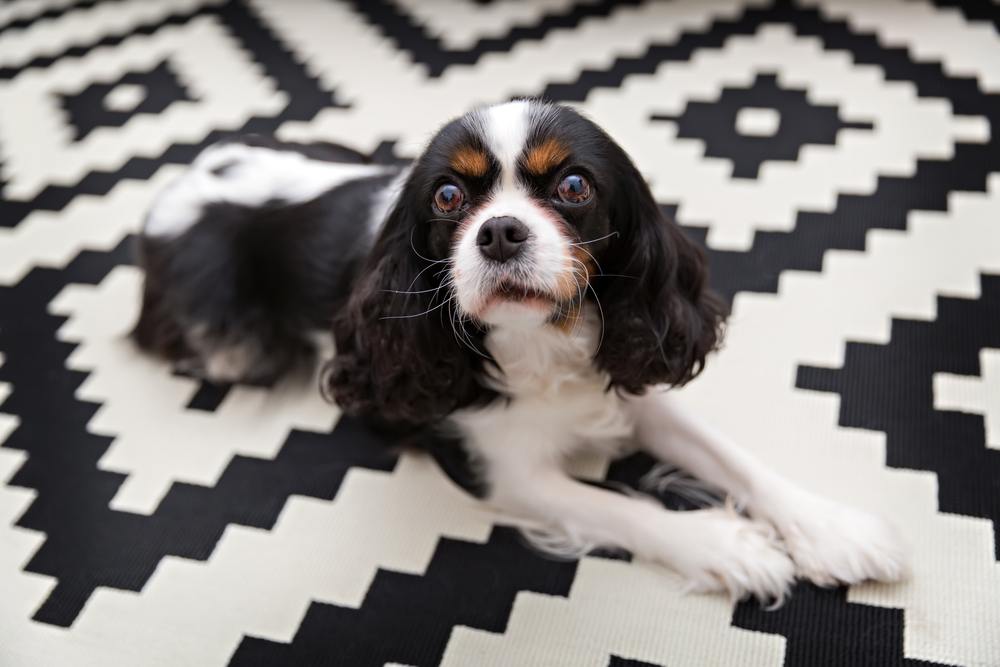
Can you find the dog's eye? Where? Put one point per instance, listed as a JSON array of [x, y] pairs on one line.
[[574, 189], [448, 198]]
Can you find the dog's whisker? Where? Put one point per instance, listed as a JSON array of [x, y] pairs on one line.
[[429, 266], [417, 252], [406, 317], [400, 291], [596, 263], [601, 238]]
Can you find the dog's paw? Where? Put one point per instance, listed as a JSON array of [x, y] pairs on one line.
[[717, 550], [834, 544]]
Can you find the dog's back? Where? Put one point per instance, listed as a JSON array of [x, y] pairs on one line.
[[258, 242]]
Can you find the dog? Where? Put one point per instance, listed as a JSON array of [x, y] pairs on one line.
[[516, 287]]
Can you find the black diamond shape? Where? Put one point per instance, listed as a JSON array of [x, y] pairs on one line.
[[87, 110], [307, 97], [715, 124]]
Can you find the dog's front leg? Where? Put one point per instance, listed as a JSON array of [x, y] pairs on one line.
[[714, 549], [830, 542]]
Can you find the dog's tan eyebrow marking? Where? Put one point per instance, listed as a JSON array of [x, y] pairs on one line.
[[470, 161], [545, 157]]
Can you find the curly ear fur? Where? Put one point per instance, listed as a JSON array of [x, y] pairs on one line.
[[662, 320], [398, 362]]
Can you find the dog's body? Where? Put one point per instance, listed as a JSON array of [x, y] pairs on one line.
[[230, 289], [519, 288]]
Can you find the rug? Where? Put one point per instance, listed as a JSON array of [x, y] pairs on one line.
[[839, 160]]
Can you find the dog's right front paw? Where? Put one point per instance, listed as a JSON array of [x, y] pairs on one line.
[[717, 550]]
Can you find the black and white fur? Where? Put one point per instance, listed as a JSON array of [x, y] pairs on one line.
[[243, 259], [562, 341]]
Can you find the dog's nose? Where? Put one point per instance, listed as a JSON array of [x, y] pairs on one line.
[[501, 238]]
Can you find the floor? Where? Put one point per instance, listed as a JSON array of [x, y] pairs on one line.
[[839, 160]]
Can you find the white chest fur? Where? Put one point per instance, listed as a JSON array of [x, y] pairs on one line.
[[558, 399]]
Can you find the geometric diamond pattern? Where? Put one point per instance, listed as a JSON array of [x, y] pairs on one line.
[[717, 124], [113, 104], [839, 161]]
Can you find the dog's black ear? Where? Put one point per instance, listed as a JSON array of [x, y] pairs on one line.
[[662, 319], [399, 362]]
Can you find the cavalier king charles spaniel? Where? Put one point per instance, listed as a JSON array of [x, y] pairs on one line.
[[516, 287]]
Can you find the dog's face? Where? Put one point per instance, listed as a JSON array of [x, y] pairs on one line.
[[516, 199], [516, 215]]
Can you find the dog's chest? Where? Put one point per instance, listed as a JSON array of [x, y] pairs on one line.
[[556, 393]]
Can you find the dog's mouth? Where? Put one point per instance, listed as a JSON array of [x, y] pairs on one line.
[[511, 291], [509, 297]]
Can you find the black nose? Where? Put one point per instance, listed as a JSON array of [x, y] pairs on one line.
[[501, 238]]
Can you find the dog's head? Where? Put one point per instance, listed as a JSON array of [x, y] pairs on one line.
[[515, 215]]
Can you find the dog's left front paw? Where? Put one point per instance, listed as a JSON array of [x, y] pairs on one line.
[[834, 544]]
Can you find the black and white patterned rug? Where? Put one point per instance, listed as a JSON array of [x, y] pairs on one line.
[[840, 160]]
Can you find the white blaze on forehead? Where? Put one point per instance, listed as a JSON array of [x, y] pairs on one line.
[[505, 129]]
